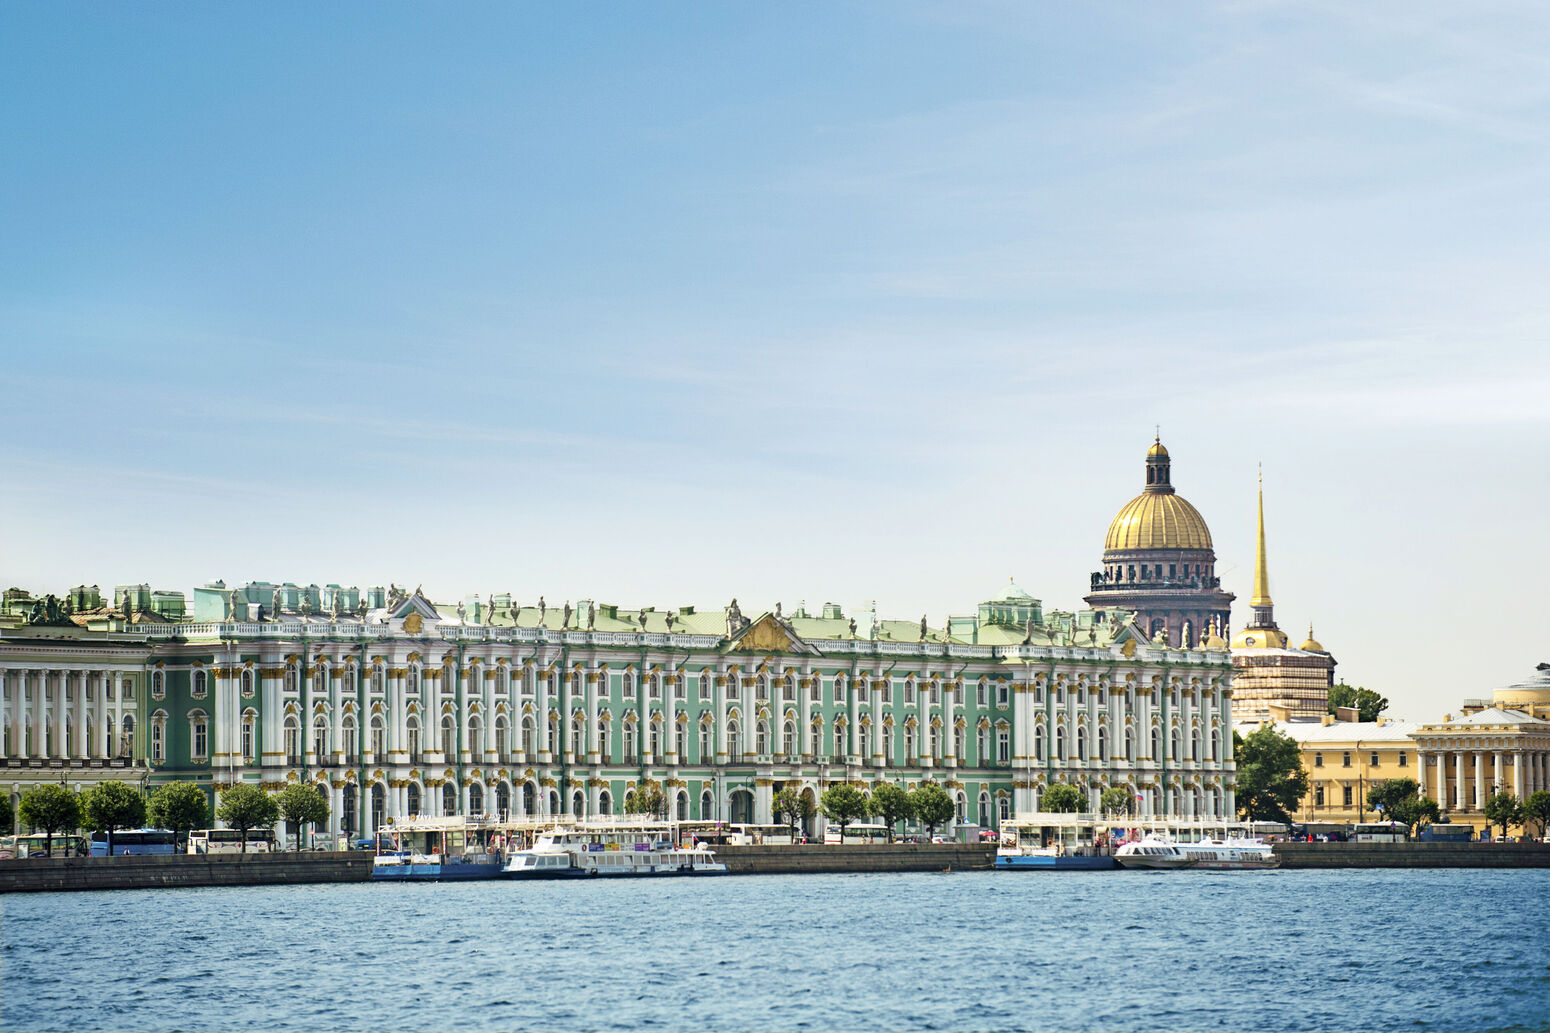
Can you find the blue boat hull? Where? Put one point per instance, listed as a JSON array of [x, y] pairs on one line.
[[1067, 863], [435, 872]]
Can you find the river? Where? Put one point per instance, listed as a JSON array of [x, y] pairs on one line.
[[1275, 950]]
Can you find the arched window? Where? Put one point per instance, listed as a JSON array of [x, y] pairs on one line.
[[655, 741], [449, 799], [629, 741], [449, 736], [788, 690], [1103, 745], [502, 742], [249, 736], [762, 738], [984, 811], [982, 743], [683, 806], [578, 804], [706, 756], [958, 742], [602, 739], [1081, 743], [378, 738], [128, 747], [347, 809], [605, 802], [909, 743], [292, 740], [412, 730], [199, 683], [763, 689], [681, 741], [865, 745], [888, 754], [707, 806], [1003, 743], [292, 679], [734, 741], [412, 799], [476, 799], [529, 732], [1060, 742], [378, 805], [347, 733], [789, 746], [320, 740], [476, 736], [158, 736], [158, 684], [704, 687]]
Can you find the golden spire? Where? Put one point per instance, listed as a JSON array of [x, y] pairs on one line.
[[1261, 572]]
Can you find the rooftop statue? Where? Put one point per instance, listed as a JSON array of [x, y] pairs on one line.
[[922, 627], [591, 615], [565, 619], [541, 608]]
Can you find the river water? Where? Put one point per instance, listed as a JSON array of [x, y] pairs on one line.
[[1277, 950]]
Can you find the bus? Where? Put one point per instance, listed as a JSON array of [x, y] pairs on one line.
[[856, 832], [135, 841], [36, 845], [1380, 832], [229, 841]]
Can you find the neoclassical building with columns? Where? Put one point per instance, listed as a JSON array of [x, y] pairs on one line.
[[395, 706]]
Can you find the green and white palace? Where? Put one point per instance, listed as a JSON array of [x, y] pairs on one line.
[[395, 705]]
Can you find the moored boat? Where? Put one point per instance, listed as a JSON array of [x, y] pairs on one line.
[[437, 850], [612, 850], [1229, 853], [1046, 841]]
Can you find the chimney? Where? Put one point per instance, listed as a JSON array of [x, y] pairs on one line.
[[1327, 720], [1347, 714]]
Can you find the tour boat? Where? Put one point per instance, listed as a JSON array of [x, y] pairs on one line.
[[1231, 853], [612, 850]]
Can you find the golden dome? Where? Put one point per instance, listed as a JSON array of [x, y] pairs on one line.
[[1157, 449], [1259, 638], [1312, 645], [1153, 520]]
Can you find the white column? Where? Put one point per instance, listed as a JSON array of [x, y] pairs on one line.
[[1479, 758], [1022, 745], [541, 696], [1442, 780], [1517, 773], [719, 693], [61, 682], [1497, 773], [77, 746], [805, 682], [594, 689], [17, 682], [949, 727], [879, 758], [852, 729], [669, 719], [1458, 780]]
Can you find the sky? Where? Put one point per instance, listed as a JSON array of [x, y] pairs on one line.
[[661, 304]]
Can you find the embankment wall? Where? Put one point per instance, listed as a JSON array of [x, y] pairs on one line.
[[855, 857], [1413, 855], [34, 875]]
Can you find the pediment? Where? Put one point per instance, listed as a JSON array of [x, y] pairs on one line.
[[770, 634], [414, 605]]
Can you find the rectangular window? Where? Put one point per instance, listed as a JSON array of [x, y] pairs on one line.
[[1318, 760], [1318, 796], [704, 688], [983, 695], [1374, 760], [815, 693], [1403, 758], [1003, 746], [1346, 793], [1001, 694], [1345, 762]]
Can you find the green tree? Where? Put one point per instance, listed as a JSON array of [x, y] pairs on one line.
[[49, 809], [246, 807], [843, 803], [1390, 796], [1537, 809], [1504, 809], [110, 806], [1368, 704], [179, 806], [302, 804], [1271, 779], [795, 805], [1116, 800], [891, 803], [1418, 811], [646, 798], [932, 806], [7, 816], [1062, 799]]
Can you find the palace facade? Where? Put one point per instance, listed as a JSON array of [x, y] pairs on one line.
[[394, 705]]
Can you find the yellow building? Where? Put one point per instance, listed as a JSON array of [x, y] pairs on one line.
[[1346, 758]]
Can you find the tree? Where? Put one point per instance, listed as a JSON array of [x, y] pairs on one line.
[[891, 803], [1423, 810], [1271, 779], [1063, 799], [1504, 809], [1537, 808], [246, 807], [7, 816], [301, 804], [179, 806], [843, 803], [1116, 800], [50, 809], [932, 806], [1390, 796], [795, 806], [109, 806], [646, 798], [1368, 704]]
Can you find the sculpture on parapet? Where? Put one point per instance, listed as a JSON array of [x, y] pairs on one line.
[[542, 607], [922, 627], [591, 615]]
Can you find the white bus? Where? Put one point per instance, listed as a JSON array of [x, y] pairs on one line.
[[229, 841], [856, 832]]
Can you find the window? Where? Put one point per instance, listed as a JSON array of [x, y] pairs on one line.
[[1318, 760], [705, 750], [839, 741], [654, 745], [347, 733], [762, 738], [1346, 762], [320, 741], [958, 742], [815, 688], [762, 687], [681, 741], [982, 697], [734, 741], [909, 696], [1003, 744], [292, 741], [475, 799], [529, 733], [704, 687], [199, 684], [449, 799], [1402, 759], [602, 738], [790, 736], [158, 685], [158, 737], [199, 734], [347, 808], [1346, 794], [501, 743], [734, 688], [982, 744], [1001, 696], [788, 690], [629, 741], [378, 737], [680, 689], [909, 744], [1374, 762]]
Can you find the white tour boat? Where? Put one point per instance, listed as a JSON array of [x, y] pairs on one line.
[[1230, 853], [612, 850]]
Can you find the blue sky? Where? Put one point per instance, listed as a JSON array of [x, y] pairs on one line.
[[669, 303]]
